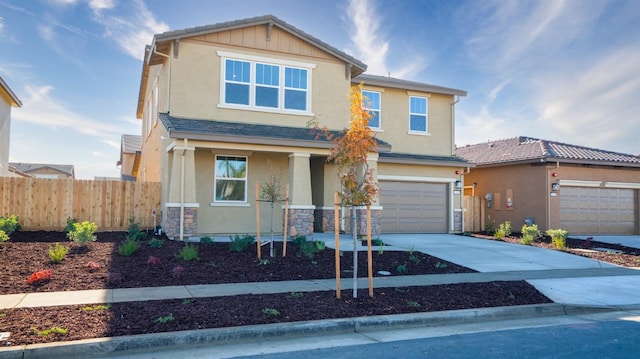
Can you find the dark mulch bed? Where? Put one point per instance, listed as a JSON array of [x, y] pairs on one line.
[[26, 252], [607, 252]]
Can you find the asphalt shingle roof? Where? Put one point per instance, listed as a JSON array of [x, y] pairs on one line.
[[30, 167], [523, 148], [384, 81]]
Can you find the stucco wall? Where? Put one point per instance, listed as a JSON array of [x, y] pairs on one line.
[[5, 129]]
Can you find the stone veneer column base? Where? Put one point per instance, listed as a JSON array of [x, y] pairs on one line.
[[172, 222], [300, 222]]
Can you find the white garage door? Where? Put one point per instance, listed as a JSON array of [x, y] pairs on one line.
[[585, 210], [413, 207]]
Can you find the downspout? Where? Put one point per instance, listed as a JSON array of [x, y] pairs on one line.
[[453, 126], [182, 190]]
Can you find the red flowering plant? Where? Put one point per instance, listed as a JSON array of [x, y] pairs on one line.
[[39, 276]]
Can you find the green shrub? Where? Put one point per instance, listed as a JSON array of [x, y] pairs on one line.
[[504, 230], [134, 231], [70, 222], [188, 253], [529, 234], [240, 244], [9, 224], [558, 238], [490, 227], [57, 253], [83, 233], [308, 248], [3, 236], [128, 247], [155, 243], [206, 240], [52, 330]]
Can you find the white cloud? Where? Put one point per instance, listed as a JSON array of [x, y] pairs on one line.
[[1, 26], [132, 28], [370, 42], [64, 2], [46, 32]]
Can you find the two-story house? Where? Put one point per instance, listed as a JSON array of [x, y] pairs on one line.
[[8, 99], [226, 107]]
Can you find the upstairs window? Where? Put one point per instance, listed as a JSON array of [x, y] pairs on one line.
[[372, 104], [230, 179], [264, 84], [418, 114]]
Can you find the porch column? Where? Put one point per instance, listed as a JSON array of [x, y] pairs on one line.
[[300, 204], [182, 194]]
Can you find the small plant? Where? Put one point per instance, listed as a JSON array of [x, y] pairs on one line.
[[2, 315], [52, 330], [377, 242], [83, 233], [187, 301], [240, 244], [441, 265], [402, 268], [9, 224], [381, 249], [114, 277], [413, 304], [155, 243], [296, 294], [314, 263], [188, 253], [271, 311], [92, 266], [70, 222], [511, 296], [176, 272], [206, 241], [558, 238], [128, 247], [57, 253], [39, 277], [154, 261], [3, 236], [490, 227], [504, 230], [529, 234], [164, 320], [264, 262], [412, 256], [94, 308], [308, 248], [298, 240], [134, 231]]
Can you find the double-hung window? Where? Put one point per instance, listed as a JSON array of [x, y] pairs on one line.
[[230, 179], [372, 104], [264, 84], [418, 114]]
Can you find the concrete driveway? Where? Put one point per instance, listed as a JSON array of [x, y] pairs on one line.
[[496, 256]]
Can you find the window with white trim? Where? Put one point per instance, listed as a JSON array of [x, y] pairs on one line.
[[260, 85], [418, 114], [230, 183], [372, 104]]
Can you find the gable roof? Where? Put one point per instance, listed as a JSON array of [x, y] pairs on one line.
[[383, 81], [31, 167], [222, 131], [527, 149], [14, 100]]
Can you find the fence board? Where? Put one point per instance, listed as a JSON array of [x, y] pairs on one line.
[[46, 204]]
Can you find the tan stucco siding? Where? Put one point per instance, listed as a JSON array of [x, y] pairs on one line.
[[196, 85], [255, 37], [233, 219], [394, 113], [5, 129]]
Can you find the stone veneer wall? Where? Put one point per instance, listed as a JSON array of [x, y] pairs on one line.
[[327, 217], [457, 221], [172, 224], [300, 222]]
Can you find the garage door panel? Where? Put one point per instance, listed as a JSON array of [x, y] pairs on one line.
[[587, 210], [413, 207]]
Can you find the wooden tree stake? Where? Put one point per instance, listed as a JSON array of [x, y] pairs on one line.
[[337, 237], [286, 220], [258, 220], [369, 257]]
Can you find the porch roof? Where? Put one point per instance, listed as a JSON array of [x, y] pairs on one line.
[[224, 131]]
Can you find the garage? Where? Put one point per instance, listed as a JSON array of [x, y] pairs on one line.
[[591, 211], [414, 207]]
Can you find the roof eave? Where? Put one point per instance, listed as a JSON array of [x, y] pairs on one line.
[[14, 98], [429, 162], [411, 86]]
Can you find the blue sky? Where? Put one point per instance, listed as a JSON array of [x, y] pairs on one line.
[[566, 71]]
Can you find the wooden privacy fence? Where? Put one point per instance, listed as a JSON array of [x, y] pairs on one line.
[[473, 213], [46, 204]]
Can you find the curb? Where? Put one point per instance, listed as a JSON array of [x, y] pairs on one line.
[[154, 342]]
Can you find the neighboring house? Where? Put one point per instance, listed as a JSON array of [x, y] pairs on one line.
[[45, 170], [129, 162], [14, 172], [583, 190], [8, 99], [227, 106]]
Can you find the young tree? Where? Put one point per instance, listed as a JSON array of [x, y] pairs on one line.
[[349, 151]]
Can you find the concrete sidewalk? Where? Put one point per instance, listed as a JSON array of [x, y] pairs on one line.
[[575, 284]]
